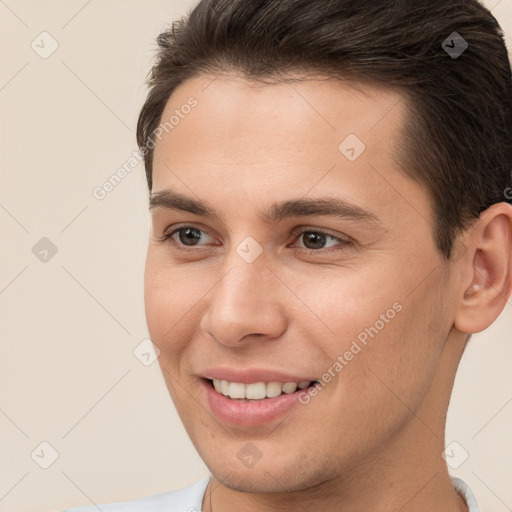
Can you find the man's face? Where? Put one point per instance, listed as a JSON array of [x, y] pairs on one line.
[[251, 292]]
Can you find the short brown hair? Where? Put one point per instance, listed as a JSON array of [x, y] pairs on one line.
[[457, 141]]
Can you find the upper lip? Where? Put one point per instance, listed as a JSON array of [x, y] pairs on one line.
[[252, 375]]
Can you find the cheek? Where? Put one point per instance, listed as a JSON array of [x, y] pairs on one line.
[[171, 302], [399, 361], [353, 308], [382, 333]]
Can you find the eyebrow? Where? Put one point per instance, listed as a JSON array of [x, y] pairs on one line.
[[303, 207]]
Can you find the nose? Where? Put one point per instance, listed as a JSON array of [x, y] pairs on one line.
[[245, 305]]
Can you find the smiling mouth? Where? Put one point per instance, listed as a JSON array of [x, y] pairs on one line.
[[257, 391]]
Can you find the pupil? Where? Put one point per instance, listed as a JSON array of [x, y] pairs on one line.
[[316, 239], [191, 235]]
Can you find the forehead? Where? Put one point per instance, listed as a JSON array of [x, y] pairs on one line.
[[234, 118], [246, 110], [283, 139]]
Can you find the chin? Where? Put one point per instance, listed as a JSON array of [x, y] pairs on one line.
[[260, 482], [268, 475]]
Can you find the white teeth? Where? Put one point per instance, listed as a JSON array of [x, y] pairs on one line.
[[224, 387], [274, 389], [256, 390], [290, 387], [236, 390]]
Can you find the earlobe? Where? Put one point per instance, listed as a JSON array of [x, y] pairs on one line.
[[488, 274]]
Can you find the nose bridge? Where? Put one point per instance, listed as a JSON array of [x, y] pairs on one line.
[[243, 302]]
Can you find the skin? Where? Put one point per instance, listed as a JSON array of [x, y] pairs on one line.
[[372, 439]]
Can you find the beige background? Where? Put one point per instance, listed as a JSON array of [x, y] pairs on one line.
[[69, 326]]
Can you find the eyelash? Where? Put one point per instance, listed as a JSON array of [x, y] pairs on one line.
[[168, 237]]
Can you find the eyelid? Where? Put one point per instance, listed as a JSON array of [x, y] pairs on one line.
[[168, 236], [343, 239], [300, 230]]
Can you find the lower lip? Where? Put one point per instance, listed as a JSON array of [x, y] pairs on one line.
[[249, 414]]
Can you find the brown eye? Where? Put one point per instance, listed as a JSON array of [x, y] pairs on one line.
[[314, 240], [188, 236]]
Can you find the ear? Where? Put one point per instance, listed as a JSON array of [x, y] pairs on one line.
[[486, 270]]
